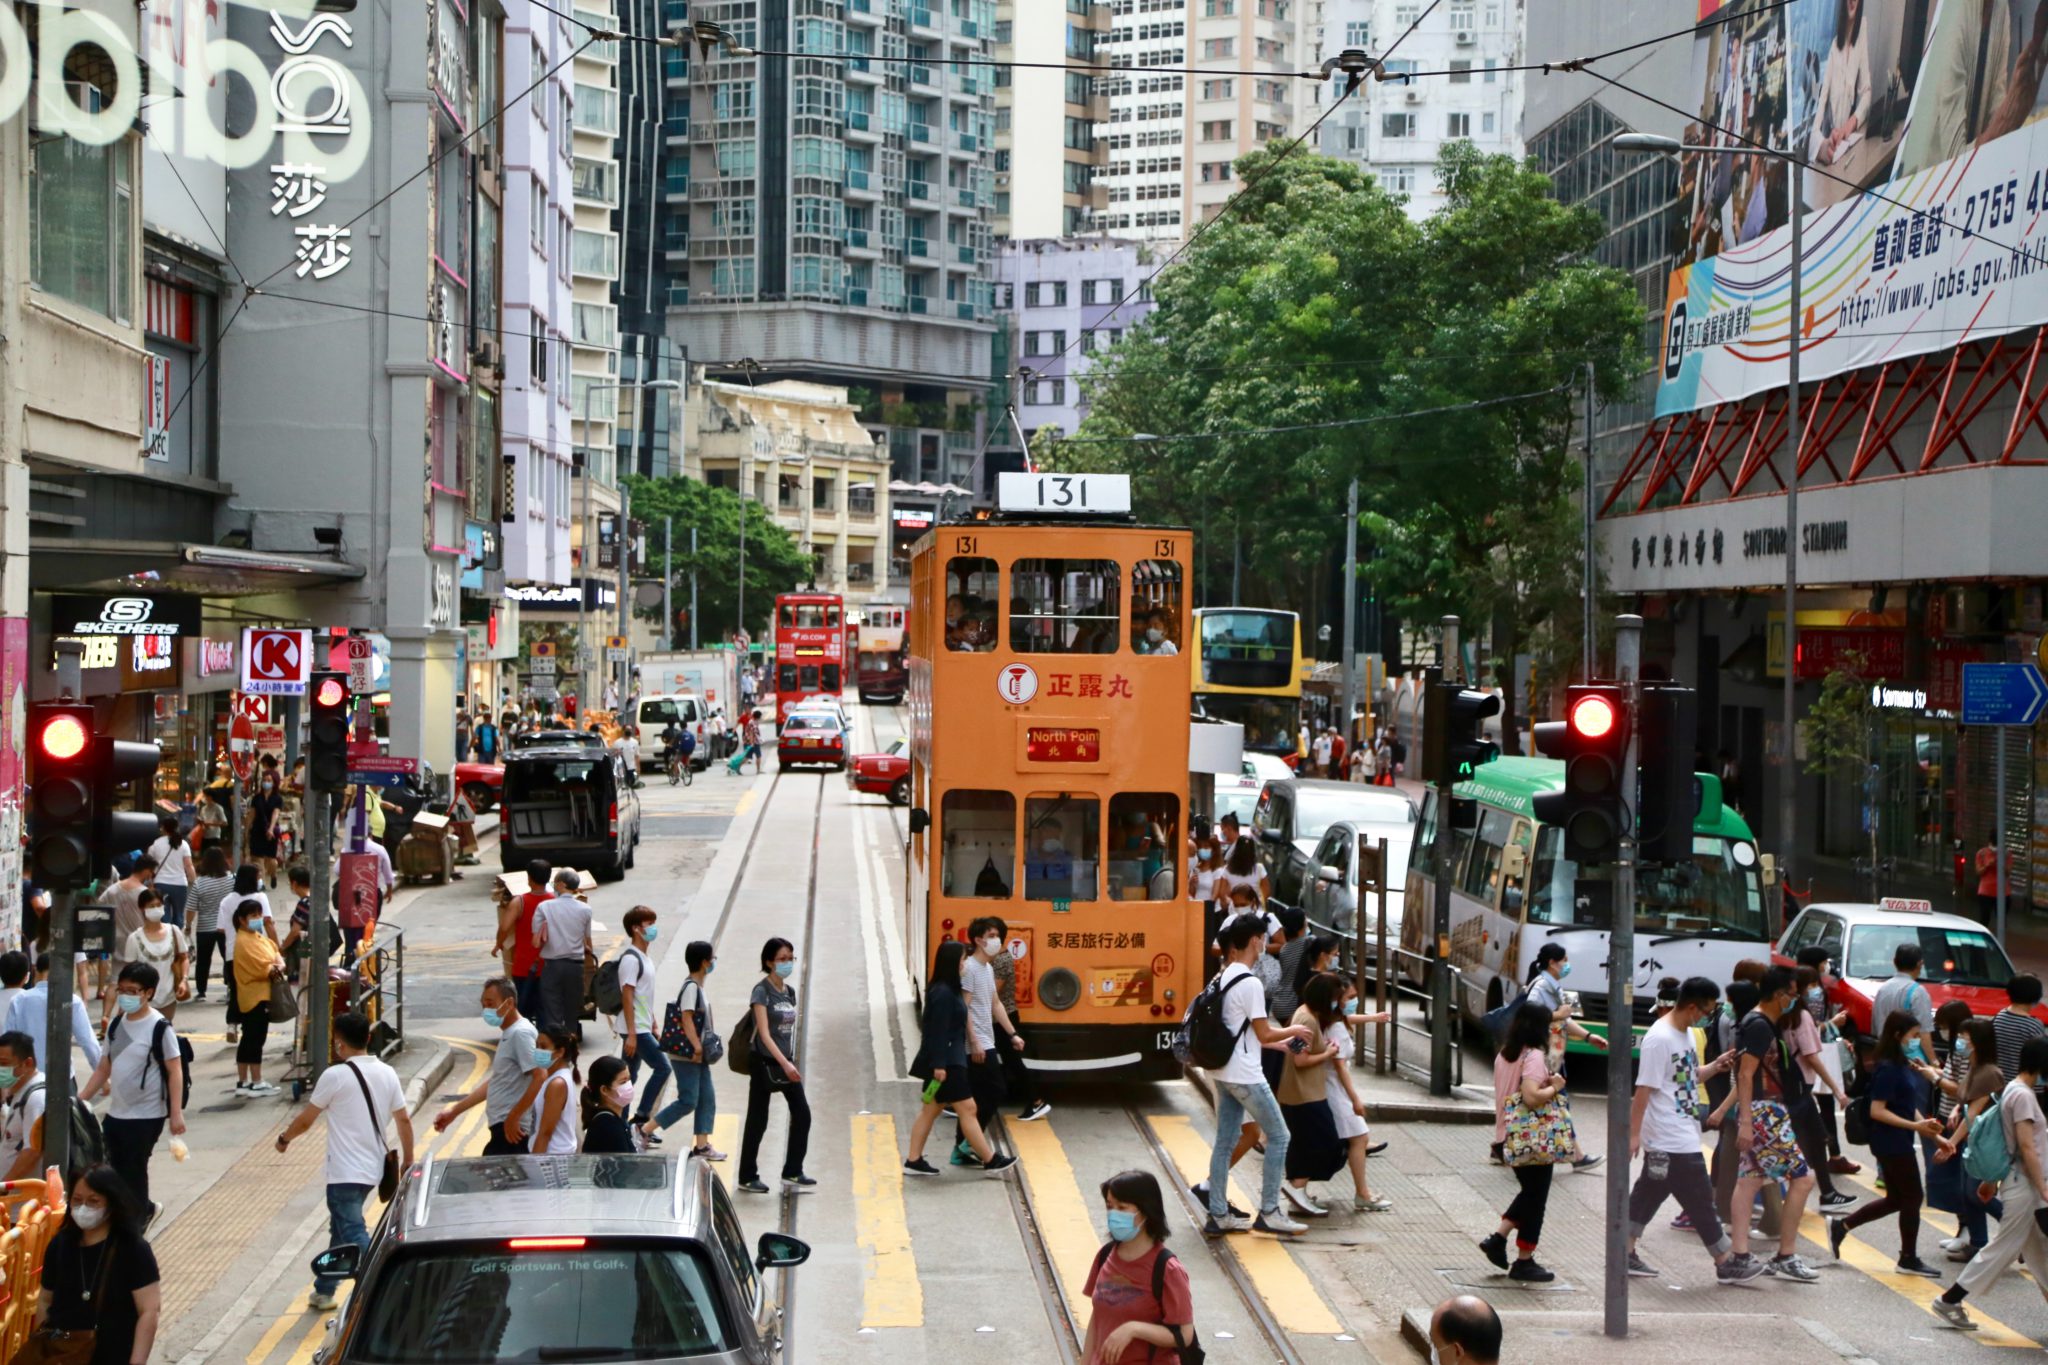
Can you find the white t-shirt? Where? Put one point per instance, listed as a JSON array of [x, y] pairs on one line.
[[135, 1084], [561, 1142], [171, 868], [232, 902], [354, 1155], [1242, 1005], [1202, 880], [978, 979], [636, 971], [19, 1123], [163, 956], [1670, 1065]]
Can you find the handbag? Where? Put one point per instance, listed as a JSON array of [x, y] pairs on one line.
[[283, 1004], [1540, 1136], [676, 1042], [47, 1346], [387, 1182]]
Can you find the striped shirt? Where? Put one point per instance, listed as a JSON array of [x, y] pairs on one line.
[[2013, 1032]]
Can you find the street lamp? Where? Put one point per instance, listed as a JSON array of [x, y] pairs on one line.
[[590, 530], [1788, 792]]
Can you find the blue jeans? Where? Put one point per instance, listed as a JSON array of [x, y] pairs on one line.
[[1234, 1104], [695, 1093], [646, 1049], [345, 1226], [174, 903]]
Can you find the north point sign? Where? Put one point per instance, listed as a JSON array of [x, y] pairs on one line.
[[301, 93]]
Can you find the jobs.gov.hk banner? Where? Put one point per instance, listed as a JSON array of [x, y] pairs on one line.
[[1925, 133]]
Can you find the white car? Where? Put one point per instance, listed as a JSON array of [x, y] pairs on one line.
[[1330, 891], [826, 706]]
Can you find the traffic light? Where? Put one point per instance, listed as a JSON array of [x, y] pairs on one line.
[[1592, 740], [327, 734], [60, 801], [116, 763], [1668, 800], [1454, 740]]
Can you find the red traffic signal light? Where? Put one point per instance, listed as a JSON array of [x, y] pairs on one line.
[[331, 691], [327, 733], [63, 737], [1592, 740], [1593, 717], [60, 804]]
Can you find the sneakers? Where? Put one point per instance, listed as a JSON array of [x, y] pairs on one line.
[[1954, 1315], [919, 1167], [1841, 1165], [999, 1163], [1683, 1222], [1837, 1199], [262, 1088], [1960, 1254], [1036, 1112], [752, 1187], [963, 1155], [1956, 1243], [1302, 1202], [1640, 1269], [1916, 1266], [708, 1154], [1792, 1268], [799, 1184], [1201, 1194], [1838, 1233], [650, 1135], [1229, 1222], [1739, 1269], [1275, 1223], [1587, 1162], [1372, 1205], [1495, 1249], [320, 1303], [1528, 1272]]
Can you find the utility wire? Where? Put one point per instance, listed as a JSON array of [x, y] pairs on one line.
[[1471, 406], [171, 160]]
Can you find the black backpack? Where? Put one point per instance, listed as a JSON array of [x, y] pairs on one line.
[[1191, 1352], [1203, 1039], [156, 1050], [88, 1146]]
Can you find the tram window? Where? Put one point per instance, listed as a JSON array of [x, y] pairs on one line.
[[978, 839], [1064, 606], [1062, 842], [809, 615], [807, 678], [1155, 607], [973, 587], [829, 676], [1144, 832], [1489, 846]]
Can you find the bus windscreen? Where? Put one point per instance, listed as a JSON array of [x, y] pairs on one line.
[[1718, 894], [1268, 721], [1247, 649]]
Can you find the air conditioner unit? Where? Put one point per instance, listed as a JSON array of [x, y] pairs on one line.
[[1466, 37], [1412, 95], [488, 356]]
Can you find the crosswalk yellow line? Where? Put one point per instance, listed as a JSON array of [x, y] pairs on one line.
[[1065, 1223], [1878, 1265], [891, 1293], [271, 1336], [1292, 1297], [309, 1340]]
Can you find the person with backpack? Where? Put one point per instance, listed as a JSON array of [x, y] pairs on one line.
[[693, 1049], [359, 1095], [1973, 1063], [1142, 1310], [1768, 1083], [143, 1071], [1242, 1091], [2008, 1156], [941, 1063], [635, 1023], [259, 963], [25, 1097], [1896, 1114], [772, 1070]]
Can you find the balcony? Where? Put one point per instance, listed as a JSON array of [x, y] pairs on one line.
[[862, 183], [595, 254], [918, 249], [921, 133], [596, 182], [919, 304], [967, 142], [860, 243], [965, 311], [921, 74], [860, 123], [864, 11], [964, 255], [857, 298], [962, 197], [920, 17], [918, 191], [863, 68]]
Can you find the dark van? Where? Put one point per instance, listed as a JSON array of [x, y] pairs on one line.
[[571, 806]]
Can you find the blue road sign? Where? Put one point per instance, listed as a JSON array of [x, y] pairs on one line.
[[377, 779], [2002, 694]]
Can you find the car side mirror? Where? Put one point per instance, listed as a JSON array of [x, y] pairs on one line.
[[1769, 864], [920, 820], [339, 1262], [779, 1250], [1270, 836], [1329, 873]]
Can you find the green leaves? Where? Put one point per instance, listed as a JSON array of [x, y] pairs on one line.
[[774, 561]]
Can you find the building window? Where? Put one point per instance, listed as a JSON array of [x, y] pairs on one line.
[[1213, 48], [1492, 72], [1047, 294], [1397, 179], [1045, 343], [537, 203], [1486, 124], [1045, 393], [1459, 125], [1463, 19], [1217, 130], [824, 491], [1461, 72], [1357, 34], [81, 238], [1406, 14], [537, 360], [1397, 125], [1215, 172], [1219, 90], [1104, 291]]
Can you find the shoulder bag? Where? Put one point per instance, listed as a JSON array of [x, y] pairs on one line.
[[49, 1346], [1539, 1135], [676, 1042], [387, 1182]]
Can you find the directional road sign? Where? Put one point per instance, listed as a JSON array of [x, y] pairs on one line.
[[2002, 694]]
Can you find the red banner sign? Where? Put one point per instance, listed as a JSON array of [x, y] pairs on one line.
[[1062, 744], [1874, 655]]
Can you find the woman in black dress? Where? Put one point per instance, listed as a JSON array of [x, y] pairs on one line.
[[99, 1275], [941, 1063], [266, 812], [607, 1093]]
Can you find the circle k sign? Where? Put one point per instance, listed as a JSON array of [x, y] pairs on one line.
[[276, 662]]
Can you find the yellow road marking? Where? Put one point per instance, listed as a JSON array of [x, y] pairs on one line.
[[747, 801], [271, 1337], [1917, 1289], [1065, 1222], [310, 1341], [891, 1295], [1290, 1295], [725, 1134]]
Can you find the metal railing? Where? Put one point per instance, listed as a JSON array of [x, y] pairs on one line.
[[377, 989]]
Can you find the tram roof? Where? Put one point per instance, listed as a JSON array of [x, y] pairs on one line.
[[1513, 783]]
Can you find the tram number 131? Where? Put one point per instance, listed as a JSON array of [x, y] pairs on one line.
[[1165, 1040]]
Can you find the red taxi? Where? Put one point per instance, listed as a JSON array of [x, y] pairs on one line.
[[482, 783], [1962, 959], [811, 737], [884, 774]]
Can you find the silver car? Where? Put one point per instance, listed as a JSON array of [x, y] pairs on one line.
[[1330, 895], [563, 1259]]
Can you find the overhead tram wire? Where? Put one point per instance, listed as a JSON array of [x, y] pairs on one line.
[[1334, 424]]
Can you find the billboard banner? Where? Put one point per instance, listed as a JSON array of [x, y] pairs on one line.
[[1926, 186]]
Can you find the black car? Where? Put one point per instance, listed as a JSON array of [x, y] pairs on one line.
[[571, 805]]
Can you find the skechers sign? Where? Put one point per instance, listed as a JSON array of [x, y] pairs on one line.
[[124, 615]]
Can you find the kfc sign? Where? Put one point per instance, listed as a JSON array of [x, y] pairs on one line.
[[216, 657], [125, 614], [276, 662]]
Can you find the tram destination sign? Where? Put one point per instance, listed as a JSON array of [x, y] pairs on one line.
[[1064, 495], [1062, 744]]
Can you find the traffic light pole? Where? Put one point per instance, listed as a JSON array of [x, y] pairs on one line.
[[57, 1084], [320, 999], [1440, 938], [1621, 958]]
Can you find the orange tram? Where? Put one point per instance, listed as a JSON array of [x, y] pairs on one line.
[[1049, 711]]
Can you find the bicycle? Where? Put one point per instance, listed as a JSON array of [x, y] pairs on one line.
[[679, 769]]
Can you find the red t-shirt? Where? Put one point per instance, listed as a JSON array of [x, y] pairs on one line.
[[1121, 1292], [525, 953]]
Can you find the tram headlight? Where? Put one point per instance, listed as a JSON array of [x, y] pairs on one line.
[[1059, 989]]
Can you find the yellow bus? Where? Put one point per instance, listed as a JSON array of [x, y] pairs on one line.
[[1247, 670]]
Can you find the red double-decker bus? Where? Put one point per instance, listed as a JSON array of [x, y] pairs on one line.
[[810, 649]]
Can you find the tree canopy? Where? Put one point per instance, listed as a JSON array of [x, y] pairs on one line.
[[775, 562]]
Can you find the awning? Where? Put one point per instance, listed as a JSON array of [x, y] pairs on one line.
[[204, 570]]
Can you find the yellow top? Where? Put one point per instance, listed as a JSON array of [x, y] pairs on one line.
[[255, 955]]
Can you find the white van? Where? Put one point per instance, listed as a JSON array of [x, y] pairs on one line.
[[655, 713]]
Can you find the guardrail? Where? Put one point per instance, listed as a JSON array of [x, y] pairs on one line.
[[22, 1248], [377, 988]]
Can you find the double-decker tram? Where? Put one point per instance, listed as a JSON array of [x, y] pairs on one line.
[[810, 649], [1246, 666], [881, 668], [1049, 764]]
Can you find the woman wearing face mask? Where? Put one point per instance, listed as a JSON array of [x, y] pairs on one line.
[[1973, 1065], [941, 1063], [1831, 1023], [551, 1131], [1142, 1307], [1347, 1106], [174, 869], [1202, 864], [247, 892], [1157, 640], [258, 963], [1802, 1039], [1546, 988], [1895, 1119], [696, 1092], [266, 812], [204, 904], [606, 1095], [164, 947], [100, 1276], [1314, 1150], [774, 1072]]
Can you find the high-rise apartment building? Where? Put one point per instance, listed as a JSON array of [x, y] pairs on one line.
[[647, 418], [594, 244], [1062, 302], [1398, 126], [1048, 169]]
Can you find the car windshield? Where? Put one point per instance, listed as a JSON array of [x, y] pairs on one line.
[[1719, 894], [1315, 810], [663, 711], [814, 721], [527, 777], [898, 746], [1238, 801], [475, 1305], [1953, 955]]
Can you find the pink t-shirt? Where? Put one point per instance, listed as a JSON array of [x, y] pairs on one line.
[[1121, 1292], [1507, 1081], [1805, 1042]]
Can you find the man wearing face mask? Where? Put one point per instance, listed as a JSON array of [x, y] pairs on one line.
[[988, 1030], [143, 1072], [509, 1090], [21, 1128], [1464, 1331]]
